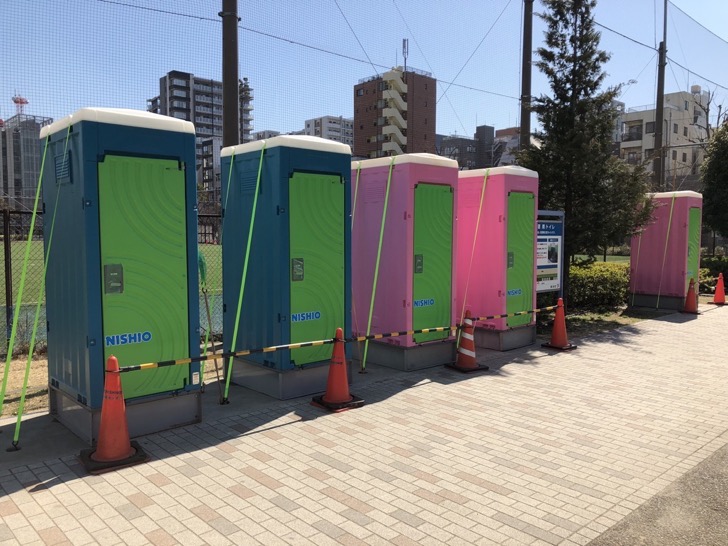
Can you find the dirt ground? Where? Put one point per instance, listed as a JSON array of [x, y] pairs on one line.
[[36, 396]]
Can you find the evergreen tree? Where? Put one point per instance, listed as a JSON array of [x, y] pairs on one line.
[[603, 198], [714, 176]]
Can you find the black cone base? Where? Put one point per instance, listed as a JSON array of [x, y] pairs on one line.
[[461, 369], [355, 402], [98, 467]]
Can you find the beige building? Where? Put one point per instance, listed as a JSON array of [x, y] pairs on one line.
[[684, 131]]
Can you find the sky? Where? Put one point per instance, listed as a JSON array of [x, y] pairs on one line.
[[303, 57]]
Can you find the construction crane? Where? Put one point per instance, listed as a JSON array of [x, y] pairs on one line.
[[20, 103]]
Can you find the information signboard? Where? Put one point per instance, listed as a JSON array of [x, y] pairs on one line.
[[549, 255]]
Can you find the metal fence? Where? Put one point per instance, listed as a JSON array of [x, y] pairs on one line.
[[16, 226]]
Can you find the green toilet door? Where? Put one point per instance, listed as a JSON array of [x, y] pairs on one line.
[[143, 227], [520, 266], [693, 265], [432, 283], [316, 204]]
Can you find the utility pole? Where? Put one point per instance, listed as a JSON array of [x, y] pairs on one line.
[[659, 163], [230, 101], [525, 135]]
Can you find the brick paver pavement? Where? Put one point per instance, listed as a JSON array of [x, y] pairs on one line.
[[553, 448]]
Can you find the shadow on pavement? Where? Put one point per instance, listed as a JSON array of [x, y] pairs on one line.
[[48, 449]]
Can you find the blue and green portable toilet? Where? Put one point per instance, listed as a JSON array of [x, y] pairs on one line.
[[294, 193], [119, 195]]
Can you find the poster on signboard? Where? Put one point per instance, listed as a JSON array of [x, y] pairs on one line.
[[549, 254]]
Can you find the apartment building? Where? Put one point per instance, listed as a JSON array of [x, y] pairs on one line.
[[395, 113], [684, 133], [20, 159], [185, 96], [336, 128]]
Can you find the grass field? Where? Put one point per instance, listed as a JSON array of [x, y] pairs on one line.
[[34, 273]]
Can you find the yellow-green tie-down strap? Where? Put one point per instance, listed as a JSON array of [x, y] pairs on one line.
[[245, 272], [376, 265], [41, 291], [472, 252]]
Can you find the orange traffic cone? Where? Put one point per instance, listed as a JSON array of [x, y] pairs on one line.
[[559, 339], [466, 361], [337, 397], [691, 300], [113, 449], [719, 297]]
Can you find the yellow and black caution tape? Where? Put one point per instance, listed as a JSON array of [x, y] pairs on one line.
[[403, 333], [516, 314], [229, 354], [274, 348]]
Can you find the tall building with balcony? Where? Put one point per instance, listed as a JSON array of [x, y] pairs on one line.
[[185, 96], [684, 133], [394, 113], [336, 128], [20, 160]]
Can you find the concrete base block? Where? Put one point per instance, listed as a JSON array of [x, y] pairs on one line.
[[666, 303], [427, 355], [505, 340], [143, 416], [283, 385]]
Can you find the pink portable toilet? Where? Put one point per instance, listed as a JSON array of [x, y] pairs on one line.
[[414, 284], [666, 254], [496, 271]]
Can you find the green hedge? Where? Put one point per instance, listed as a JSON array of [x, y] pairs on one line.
[[710, 268], [598, 287], [715, 265], [604, 286]]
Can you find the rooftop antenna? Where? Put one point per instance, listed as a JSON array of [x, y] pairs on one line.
[[20, 103], [405, 51]]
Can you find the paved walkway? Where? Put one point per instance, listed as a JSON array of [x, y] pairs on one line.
[[550, 448]]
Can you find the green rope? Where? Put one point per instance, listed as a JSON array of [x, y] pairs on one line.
[[356, 192], [636, 266], [19, 301], [227, 188], [353, 210], [664, 256], [376, 266], [472, 252], [245, 272], [41, 291], [202, 268]]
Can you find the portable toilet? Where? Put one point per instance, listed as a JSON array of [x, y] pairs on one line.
[[404, 223], [297, 283], [665, 255], [119, 195], [496, 270]]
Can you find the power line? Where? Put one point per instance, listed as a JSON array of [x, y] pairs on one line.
[[292, 42], [625, 36], [653, 49], [634, 80], [697, 23], [476, 48], [674, 76], [404, 20], [355, 36], [698, 75]]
